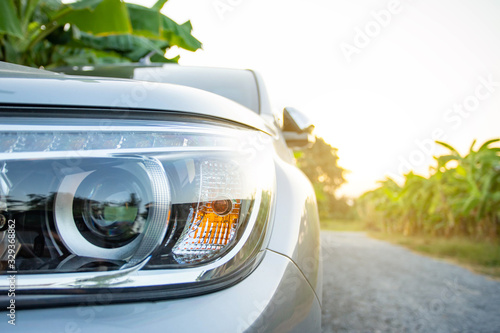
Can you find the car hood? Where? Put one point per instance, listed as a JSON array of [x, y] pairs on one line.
[[21, 85]]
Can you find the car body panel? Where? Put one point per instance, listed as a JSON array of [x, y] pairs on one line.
[[283, 294], [283, 302], [172, 73], [234, 84], [47, 88], [297, 240]]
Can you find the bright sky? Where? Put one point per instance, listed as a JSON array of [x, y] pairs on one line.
[[381, 79]]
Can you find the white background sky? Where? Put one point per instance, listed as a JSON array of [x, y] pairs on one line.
[[392, 95]]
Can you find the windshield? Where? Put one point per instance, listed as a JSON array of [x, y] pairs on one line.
[[237, 85]]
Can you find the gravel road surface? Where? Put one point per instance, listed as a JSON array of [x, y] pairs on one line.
[[373, 286]]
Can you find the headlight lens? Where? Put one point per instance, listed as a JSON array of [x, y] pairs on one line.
[[151, 203]]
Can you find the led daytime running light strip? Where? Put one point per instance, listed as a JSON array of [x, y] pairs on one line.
[[77, 141]]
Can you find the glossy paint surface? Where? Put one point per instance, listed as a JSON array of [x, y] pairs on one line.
[[47, 88], [283, 294], [296, 227], [275, 297]]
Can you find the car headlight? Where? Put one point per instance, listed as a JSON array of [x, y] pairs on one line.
[[138, 204]]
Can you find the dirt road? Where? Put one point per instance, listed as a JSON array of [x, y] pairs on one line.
[[373, 286]]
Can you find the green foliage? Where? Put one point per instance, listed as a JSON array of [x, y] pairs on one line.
[[480, 256], [342, 224], [461, 197], [319, 163], [9, 24], [49, 33]]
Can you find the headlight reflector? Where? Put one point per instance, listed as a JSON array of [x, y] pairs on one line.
[[115, 212]]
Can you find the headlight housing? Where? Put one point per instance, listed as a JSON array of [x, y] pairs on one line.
[[132, 206]]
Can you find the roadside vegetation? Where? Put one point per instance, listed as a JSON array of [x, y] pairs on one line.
[[320, 165], [460, 198], [479, 256], [50, 33], [343, 224], [453, 214]]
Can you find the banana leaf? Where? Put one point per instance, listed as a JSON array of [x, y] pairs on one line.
[[9, 21]]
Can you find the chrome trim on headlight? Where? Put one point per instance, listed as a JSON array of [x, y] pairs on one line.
[[169, 170]]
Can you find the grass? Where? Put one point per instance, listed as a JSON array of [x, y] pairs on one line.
[[342, 225], [482, 257], [479, 256]]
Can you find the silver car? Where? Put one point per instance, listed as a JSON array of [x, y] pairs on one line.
[[129, 205]]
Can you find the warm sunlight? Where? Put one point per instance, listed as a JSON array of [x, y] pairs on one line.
[[250, 166], [383, 102]]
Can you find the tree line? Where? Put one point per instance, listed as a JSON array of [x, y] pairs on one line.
[[320, 165]]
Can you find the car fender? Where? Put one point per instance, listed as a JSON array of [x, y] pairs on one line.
[[296, 228]]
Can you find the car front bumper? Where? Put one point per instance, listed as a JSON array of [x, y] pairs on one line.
[[276, 297]]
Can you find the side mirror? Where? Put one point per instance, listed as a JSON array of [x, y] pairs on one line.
[[297, 129]]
